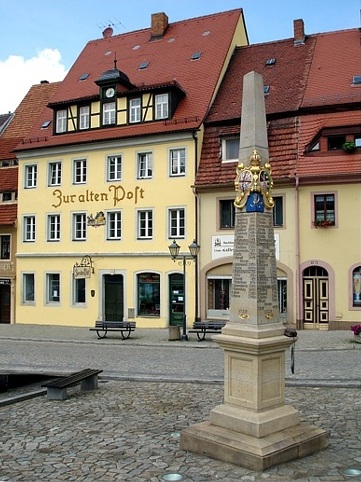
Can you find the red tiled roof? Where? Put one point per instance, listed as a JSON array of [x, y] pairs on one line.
[[336, 60], [25, 115], [297, 79], [8, 179], [8, 213], [286, 77], [169, 59]]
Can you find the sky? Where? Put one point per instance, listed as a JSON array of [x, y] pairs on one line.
[[41, 39]]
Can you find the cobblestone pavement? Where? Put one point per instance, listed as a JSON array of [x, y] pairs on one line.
[[129, 429]]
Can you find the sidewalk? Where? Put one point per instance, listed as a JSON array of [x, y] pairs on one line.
[[306, 340]]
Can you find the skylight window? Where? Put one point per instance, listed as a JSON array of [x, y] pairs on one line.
[[270, 61], [143, 65], [196, 55], [356, 80], [266, 89], [45, 124], [84, 76]]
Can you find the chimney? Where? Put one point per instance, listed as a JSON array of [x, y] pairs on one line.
[[298, 32], [159, 25]]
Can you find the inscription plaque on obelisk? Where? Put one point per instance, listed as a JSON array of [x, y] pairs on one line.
[[254, 427]]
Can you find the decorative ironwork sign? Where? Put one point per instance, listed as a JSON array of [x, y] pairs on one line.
[[98, 220], [253, 185], [84, 269]]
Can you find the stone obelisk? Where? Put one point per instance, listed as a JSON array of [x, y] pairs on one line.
[[254, 427]]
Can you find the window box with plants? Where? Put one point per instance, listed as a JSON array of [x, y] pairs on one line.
[[349, 146], [323, 224]]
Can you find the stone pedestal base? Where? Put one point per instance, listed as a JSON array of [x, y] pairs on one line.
[[252, 452]]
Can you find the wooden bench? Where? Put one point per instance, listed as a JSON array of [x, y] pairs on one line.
[[204, 327], [57, 389], [125, 327]]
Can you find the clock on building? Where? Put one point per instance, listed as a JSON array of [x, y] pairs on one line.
[[109, 92]]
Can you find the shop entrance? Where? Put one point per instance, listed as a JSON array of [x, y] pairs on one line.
[[176, 300], [4, 301], [113, 290], [315, 298]]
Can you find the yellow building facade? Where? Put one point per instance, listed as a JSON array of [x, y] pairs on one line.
[[125, 246]]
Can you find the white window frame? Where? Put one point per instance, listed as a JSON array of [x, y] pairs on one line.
[[144, 165], [79, 171], [52, 288], [114, 168], [176, 223], [31, 176], [161, 106], [114, 225], [108, 113], [134, 110], [54, 173], [53, 227], [79, 227], [61, 121], [84, 117], [29, 228], [177, 162], [26, 299], [225, 155], [145, 224]]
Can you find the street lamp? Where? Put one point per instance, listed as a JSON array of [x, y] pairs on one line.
[[184, 260]]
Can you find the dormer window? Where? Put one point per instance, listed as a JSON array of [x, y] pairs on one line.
[[230, 149], [161, 106], [108, 113], [61, 121], [134, 110]]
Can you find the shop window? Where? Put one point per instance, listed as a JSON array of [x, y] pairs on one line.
[[219, 295], [52, 287], [5, 246], [356, 287], [148, 294], [28, 287], [79, 291], [227, 213]]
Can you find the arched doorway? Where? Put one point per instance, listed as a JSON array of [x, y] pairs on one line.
[[315, 298]]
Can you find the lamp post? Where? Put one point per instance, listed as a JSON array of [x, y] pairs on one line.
[[184, 260]]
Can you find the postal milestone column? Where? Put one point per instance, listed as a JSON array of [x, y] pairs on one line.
[[254, 427]]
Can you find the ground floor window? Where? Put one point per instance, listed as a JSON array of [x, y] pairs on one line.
[[148, 294], [219, 296], [79, 290], [28, 288], [52, 287], [356, 284]]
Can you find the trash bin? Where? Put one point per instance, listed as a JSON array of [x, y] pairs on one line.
[[174, 333]]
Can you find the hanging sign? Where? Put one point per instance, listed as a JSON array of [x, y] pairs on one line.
[[84, 269]]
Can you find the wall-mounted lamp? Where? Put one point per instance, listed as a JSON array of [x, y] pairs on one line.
[[92, 293]]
